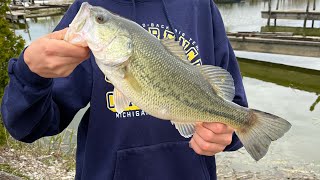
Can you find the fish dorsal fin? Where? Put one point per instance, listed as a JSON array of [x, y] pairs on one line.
[[220, 79], [175, 49], [185, 129], [121, 102]]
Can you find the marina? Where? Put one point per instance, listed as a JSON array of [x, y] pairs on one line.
[[38, 6], [21, 12], [15, 16]]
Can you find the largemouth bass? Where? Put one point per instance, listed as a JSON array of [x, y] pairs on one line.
[[156, 76]]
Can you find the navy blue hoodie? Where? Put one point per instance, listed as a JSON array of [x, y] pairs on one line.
[[132, 145]]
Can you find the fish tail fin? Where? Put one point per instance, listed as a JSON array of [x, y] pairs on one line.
[[260, 130]]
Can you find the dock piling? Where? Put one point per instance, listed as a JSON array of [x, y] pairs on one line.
[[269, 10], [314, 8], [307, 14]]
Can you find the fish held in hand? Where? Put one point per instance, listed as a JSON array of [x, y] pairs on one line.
[[156, 76]]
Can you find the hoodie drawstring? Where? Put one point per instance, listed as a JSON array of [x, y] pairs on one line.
[[134, 15], [134, 18], [168, 18]]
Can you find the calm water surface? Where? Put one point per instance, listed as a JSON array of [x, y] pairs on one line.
[[289, 93], [246, 16]]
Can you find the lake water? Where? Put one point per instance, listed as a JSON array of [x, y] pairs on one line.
[[291, 93]]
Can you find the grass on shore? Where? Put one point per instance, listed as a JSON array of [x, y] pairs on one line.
[[48, 150], [8, 169]]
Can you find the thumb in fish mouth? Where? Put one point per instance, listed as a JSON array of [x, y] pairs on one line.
[[75, 38], [79, 25]]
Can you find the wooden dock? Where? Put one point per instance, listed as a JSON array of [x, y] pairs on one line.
[[291, 14], [39, 6], [277, 44], [18, 12], [15, 16]]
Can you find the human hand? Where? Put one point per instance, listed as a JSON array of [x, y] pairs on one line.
[[51, 57], [211, 138]]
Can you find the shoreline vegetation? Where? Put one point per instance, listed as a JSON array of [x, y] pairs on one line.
[[54, 158], [47, 158], [12, 45]]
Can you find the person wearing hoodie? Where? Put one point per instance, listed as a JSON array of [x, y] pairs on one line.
[[53, 79]]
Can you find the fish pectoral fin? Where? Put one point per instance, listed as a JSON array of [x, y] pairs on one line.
[[185, 129], [121, 102], [220, 79], [130, 78], [175, 49]]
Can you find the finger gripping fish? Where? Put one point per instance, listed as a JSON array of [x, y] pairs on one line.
[[156, 76]]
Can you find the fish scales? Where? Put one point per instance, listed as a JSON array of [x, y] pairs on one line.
[[152, 68]]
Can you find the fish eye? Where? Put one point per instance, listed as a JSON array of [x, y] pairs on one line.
[[100, 19]]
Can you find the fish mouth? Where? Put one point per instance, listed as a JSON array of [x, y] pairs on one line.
[[79, 26]]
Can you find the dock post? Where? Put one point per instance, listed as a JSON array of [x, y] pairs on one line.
[[307, 13], [314, 8], [277, 8], [269, 10]]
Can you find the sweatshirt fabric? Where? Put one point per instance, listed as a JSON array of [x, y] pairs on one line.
[[132, 145]]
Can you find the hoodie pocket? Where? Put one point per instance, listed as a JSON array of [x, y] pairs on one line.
[[166, 161]]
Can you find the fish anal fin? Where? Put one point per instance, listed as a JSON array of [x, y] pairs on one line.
[[185, 129]]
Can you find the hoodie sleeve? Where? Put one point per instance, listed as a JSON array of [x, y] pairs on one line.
[[33, 106], [225, 58]]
